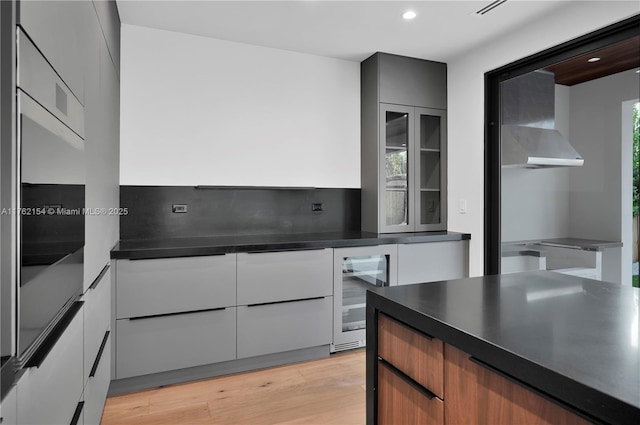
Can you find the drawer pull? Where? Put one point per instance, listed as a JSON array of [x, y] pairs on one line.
[[268, 251], [77, 413], [284, 302], [427, 336], [50, 341], [156, 256], [179, 313], [407, 379], [94, 368], [95, 283]]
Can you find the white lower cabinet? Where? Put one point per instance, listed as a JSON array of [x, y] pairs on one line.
[[8, 408], [161, 343], [286, 275], [432, 261], [97, 317], [284, 326], [174, 285], [95, 390], [49, 394]]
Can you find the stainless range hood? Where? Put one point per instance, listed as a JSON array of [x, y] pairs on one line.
[[529, 136]]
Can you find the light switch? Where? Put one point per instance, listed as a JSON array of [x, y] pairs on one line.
[[463, 206]]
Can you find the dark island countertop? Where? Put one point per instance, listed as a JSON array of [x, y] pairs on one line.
[[189, 247], [573, 340]]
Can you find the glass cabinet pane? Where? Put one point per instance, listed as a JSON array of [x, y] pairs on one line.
[[430, 154], [358, 273], [397, 167]]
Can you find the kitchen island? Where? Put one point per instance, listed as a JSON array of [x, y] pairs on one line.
[[524, 347]]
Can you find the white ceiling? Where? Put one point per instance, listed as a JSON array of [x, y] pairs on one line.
[[351, 30]]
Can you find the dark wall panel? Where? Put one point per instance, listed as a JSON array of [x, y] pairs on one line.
[[235, 211]]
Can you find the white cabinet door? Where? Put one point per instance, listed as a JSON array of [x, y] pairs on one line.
[[280, 276], [49, 394], [97, 318], [59, 30], [95, 391], [8, 408], [174, 285], [279, 327], [433, 261], [176, 341]]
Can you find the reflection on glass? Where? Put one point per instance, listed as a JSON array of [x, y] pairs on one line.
[[52, 201], [397, 188], [358, 273]]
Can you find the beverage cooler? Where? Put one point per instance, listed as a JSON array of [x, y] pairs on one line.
[[356, 270]]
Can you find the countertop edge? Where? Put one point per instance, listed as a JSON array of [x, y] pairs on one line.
[[582, 399], [204, 248]]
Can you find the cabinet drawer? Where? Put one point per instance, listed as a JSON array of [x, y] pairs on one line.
[[280, 276], [97, 317], [402, 403], [49, 394], [431, 262], [413, 353], [171, 285], [158, 344], [272, 328], [95, 392]]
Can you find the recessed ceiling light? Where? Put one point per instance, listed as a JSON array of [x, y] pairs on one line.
[[638, 71], [409, 14], [594, 59]]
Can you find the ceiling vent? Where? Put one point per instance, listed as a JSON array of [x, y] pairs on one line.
[[488, 8]]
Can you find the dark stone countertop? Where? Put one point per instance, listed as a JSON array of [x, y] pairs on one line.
[[572, 339], [189, 247]]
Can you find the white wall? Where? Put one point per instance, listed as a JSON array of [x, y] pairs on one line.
[[201, 111], [597, 202], [466, 103], [535, 202]]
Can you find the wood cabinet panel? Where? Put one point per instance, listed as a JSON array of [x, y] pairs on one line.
[[401, 403], [413, 353], [475, 395]]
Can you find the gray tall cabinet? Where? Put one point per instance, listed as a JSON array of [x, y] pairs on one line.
[[404, 144], [81, 42]]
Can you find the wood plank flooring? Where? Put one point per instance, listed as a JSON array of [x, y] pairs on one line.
[[327, 391]]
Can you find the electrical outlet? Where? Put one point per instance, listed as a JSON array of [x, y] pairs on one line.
[[179, 208], [316, 206]]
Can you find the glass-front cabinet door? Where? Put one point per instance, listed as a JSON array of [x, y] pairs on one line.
[[356, 270], [397, 168], [430, 157], [412, 195]]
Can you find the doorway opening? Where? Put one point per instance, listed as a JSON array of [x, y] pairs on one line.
[[614, 36]]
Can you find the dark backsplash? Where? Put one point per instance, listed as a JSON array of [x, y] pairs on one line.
[[233, 211]]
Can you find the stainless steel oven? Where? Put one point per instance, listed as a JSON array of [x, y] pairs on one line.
[[355, 270], [50, 197]]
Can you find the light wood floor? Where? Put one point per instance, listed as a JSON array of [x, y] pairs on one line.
[[327, 391]]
